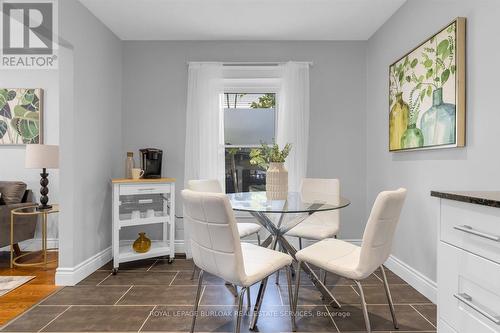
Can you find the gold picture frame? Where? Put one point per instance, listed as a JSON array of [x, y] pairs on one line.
[[427, 94]]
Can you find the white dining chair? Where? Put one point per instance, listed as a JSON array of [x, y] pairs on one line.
[[319, 225], [245, 229], [218, 250], [358, 262]]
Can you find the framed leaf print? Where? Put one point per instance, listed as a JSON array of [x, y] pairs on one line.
[[427, 93], [21, 116]]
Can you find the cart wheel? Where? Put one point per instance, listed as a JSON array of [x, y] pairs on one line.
[[114, 271], [170, 260]]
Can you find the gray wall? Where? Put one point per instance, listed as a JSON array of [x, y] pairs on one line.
[[473, 167], [154, 105], [91, 104]]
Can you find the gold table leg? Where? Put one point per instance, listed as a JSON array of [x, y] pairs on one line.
[[11, 240], [45, 249], [44, 238]]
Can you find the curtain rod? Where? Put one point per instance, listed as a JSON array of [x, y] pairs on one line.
[[243, 63]]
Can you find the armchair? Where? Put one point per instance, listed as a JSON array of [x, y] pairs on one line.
[[25, 225]]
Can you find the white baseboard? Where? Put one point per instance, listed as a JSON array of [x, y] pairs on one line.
[[69, 276], [179, 246], [414, 278], [34, 244]]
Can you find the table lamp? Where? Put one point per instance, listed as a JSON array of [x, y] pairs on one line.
[[42, 157]]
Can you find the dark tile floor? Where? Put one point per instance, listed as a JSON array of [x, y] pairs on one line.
[[152, 295]]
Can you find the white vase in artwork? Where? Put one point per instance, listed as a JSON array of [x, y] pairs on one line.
[[276, 182]]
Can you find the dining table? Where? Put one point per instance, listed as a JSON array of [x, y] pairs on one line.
[[280, 216]]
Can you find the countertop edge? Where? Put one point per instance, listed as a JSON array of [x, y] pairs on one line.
[[466, 198]]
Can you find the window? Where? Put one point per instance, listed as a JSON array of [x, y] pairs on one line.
[[249, 120]]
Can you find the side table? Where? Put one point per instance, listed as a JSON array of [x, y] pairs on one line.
[[25, 211]]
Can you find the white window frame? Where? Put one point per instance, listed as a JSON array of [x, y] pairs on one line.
[[231, 88], [257, 80]]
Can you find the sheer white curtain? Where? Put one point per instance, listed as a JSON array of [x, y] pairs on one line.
[[293, 119], [204, 149]]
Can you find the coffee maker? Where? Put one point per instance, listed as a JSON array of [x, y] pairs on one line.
[[151, 162]]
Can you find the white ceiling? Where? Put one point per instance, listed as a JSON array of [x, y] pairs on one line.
[[243, 19]]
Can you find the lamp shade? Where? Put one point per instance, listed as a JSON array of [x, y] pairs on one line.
[[42, 156]]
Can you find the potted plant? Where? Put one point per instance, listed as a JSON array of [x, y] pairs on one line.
[[272, 159]]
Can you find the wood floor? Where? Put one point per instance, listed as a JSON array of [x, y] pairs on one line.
[[19, 300]]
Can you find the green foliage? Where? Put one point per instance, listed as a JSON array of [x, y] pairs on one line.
[[439, 60], [6, 96], [266, 101], [436, 61], [269, 154], [398, 77], [3, 128]]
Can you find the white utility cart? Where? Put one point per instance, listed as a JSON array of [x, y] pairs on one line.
[[141, 202]]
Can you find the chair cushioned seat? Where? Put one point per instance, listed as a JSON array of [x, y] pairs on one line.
[[261, 262], [314, 227], [247, 229], [335, 256]]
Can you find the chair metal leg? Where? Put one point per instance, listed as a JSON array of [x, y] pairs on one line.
[[232, 288], [194, 272], [297, 286], [365, 309], [278, 272], [240, 308], [389, 298], [249, 301], [197, 301], [258, 304], [300, 243], [290, 297], [322, 277]]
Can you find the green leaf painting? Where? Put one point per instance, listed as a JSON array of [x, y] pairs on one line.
[[423, 93], [3, 128], [20, 116]]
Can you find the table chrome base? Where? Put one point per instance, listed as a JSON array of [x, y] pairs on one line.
[[277, 237]]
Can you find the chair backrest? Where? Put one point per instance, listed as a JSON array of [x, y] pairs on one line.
[[317, 189], [380, 228], [205, 185], [215, 242]]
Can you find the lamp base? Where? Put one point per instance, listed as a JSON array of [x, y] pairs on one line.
[[44, 190], [44, 207]]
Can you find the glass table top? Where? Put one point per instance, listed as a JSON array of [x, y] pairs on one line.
[[33, 210], [295, 203]]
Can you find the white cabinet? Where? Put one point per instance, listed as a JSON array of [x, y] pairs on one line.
[[468, 268], [138, 203]]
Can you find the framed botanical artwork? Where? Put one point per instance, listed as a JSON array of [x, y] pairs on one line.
[[21, 117], [427, 93]]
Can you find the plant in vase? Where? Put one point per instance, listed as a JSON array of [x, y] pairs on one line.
[[438, 122], [412, 137], [398, 116], [272, 159]]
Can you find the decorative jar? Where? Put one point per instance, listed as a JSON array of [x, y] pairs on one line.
[[276, 181]]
